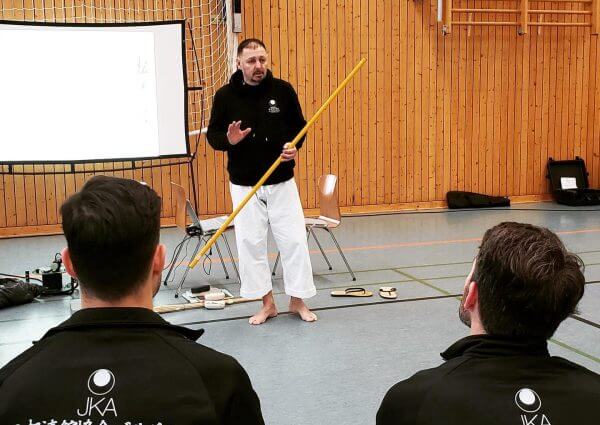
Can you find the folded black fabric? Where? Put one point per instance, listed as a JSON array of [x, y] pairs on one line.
[[15, 292], [460, 199]]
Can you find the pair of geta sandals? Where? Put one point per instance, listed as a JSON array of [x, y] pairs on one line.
[[387, 292]]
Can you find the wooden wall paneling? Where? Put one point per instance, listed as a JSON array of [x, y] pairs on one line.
[[372, 106], [483, 106], [439, 112], [324, 157], [578, 90], [364, 93], [518, 121], [426, 172], [474, 116], [404, 94], [292, 78], [340, 137], [10, 205], [276, 33], [467, 121], [500, 104], [395, 124], [318, 53], [432, 121], [537, 101], [8, 215], [512, 157], [334, 115], [454, 109], [281, 11], [530, 133], [357, 105], [592, 71], [555, 88], [418, 99], [548, 103], [572, 90], [256, 13], [381, 99], [507, 34], [585, 81], [581, 85], [266, 28], [447, 129], [411, 93], [513, 117], [489, 113], [461, 87], [566, 45], [497, 96], [301, 88], [346, 43]]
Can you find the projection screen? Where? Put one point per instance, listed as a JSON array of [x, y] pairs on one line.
[[73, 93]]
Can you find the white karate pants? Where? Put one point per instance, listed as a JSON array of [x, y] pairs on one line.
[[277, 205]]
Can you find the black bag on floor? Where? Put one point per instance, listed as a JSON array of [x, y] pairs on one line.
[[15, 292], [458, 199], [569, 183]]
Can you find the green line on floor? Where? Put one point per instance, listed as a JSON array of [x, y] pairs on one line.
[[575, 350], [423, 282]]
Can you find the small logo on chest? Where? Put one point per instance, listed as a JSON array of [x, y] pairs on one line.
[[273, 108]]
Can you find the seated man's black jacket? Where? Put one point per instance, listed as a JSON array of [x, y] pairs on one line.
[[489, 380], [121, 365]]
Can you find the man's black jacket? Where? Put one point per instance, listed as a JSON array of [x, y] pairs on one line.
[[271, 109], [125, 365], [495, 381]]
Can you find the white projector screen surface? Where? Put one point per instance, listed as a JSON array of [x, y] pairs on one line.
[[73, 93]]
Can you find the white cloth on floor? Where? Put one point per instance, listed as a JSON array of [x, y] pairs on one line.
[[279, 206]]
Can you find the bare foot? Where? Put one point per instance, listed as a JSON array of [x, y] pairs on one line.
[[297, 306], [266, 312]]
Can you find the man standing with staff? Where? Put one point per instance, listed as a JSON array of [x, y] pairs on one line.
[[253, 118]]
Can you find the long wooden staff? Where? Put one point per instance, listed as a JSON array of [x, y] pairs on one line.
[[169, 308], [270, 171]]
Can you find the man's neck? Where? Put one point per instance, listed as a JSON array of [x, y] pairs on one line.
[[477, 327], [140, 300]]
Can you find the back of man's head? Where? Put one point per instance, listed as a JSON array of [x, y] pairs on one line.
[[527, 281], [112, 230]]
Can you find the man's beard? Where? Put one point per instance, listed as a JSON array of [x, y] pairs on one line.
[[463, 313]]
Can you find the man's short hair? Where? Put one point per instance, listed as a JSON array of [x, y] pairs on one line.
[[528, 283], [112, 229], [250, 43]]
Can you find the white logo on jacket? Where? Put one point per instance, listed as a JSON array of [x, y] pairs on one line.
[[100, 383], [273, 109], [530, 402]]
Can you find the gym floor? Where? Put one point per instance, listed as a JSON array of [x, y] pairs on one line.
[[338, 369]]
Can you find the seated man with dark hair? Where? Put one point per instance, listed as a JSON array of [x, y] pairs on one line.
[[523, 284], [116, 361]]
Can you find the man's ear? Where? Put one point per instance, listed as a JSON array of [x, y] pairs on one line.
[[66, 259], [158, 263], [472, 297], [237, 62]]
